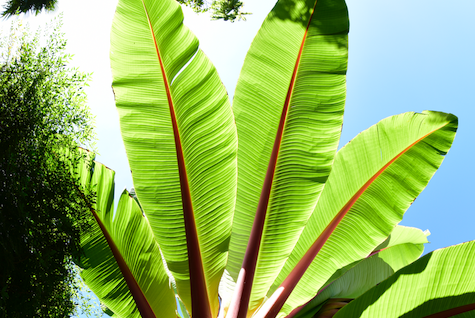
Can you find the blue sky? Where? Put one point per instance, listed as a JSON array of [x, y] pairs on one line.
[[404, 56], [413, 56]]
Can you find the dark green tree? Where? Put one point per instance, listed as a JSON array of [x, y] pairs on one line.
[[228, 10], [42, 209], [22, 6]]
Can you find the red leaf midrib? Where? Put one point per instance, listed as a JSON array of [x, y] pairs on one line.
[[199, 295], [255, 238]]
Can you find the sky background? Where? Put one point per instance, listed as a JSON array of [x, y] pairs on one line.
[[404, 56]]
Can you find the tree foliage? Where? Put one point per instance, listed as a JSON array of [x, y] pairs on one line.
[[22, 6], [42, 111], [228, 10]]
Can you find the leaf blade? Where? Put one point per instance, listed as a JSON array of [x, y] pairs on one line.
[[121, 262], [445, 281], [289, 122], [404, 246], [429, 133], [180, 138]]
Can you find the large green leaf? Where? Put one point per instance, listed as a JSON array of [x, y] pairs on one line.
[[374, 179], [180, 138], [288, 104], [441, 282], [121, 262], [404, 246]]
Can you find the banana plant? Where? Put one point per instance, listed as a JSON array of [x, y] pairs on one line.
[[279, 223]]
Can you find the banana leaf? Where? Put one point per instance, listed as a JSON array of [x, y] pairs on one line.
[[440, 284], [180, 138], [121, 262]]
